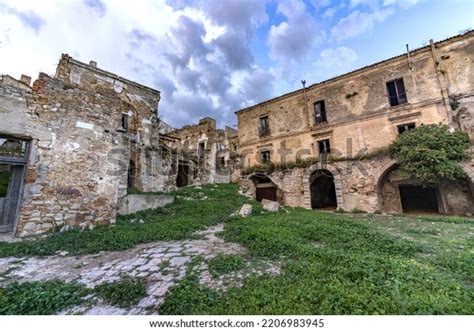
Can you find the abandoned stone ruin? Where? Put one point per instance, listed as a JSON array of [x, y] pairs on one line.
[[345, 124], [73, 145], [76, 146]]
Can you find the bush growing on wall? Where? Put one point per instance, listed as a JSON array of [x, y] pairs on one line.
[[431, 153]]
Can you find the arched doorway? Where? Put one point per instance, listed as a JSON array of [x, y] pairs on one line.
[[264, 188], [322, 190], [398, 192]]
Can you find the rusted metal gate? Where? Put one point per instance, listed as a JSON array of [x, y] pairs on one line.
[[14, 154]]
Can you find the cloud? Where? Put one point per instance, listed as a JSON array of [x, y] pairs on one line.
[[292, 39], [241, 15], [190, 51], [97, 6], [257, 86], [404, 4], [27, 17], [336, 60], [374, 4], [357, 23]]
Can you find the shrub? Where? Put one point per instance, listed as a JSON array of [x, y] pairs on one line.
[[431, 153]]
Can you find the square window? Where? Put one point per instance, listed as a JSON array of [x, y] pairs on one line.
[[265, 156], [124, 123], [319, 112], [396, 92], [324, 146], [264, 129], [405, 127]]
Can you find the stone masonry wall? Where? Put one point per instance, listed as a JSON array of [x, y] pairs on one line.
[[77, 167]]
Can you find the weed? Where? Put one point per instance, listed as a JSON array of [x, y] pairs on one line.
[[123, 293], [40, 298], [224, 264]]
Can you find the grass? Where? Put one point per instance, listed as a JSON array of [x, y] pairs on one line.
[[224, 264], [40, 298], [123, 293], [332, 263], [50, 297], [193, 210], [342, 264]]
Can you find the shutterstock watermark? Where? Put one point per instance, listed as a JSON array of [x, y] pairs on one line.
[[168, 161]]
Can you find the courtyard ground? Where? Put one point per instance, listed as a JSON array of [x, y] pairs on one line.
[[196, 257]]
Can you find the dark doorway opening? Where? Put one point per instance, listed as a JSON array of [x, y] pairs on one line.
[[131, 175], [416, 198], [323, 190], [182, 177], [264, 188]]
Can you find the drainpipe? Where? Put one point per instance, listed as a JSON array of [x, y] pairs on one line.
[[441, 81], [306, 103]]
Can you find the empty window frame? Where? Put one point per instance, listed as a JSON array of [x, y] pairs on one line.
[[324, 146], [124, 123], [396, 92], [405, 127], [320, 112], [264, 126], [201, 149], [265, 156]]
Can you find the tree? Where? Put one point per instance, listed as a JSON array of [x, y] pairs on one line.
[[431, 153]]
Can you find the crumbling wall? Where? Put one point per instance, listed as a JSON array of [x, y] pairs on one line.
[[211, 153], [77, 170]]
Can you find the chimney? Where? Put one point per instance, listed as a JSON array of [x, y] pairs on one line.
[[93, 64], [25, 79]]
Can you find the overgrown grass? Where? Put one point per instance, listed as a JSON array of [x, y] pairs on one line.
[[193, 210], [334, 265], [224, 264], [123, 293], [40, 298]]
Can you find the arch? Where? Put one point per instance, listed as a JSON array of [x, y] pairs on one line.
[[322, 189], [398, 192], [265, 188], [387, 168], [337, 178]]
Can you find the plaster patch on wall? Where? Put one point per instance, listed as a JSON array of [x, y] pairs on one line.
[[84, 125]]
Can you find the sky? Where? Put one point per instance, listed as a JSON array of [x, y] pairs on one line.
[[214, 57]]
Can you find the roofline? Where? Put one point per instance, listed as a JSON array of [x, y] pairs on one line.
[[335, 78], [112, 75]]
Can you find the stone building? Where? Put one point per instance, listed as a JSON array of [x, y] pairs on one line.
[[71, 145], [327, 143], [205, 154]]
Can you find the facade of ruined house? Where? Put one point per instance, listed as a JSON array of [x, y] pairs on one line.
[[345, 125], [204, 153], [71, 145]]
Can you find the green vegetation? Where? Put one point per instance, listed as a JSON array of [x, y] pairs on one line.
[[331, 263], [123, 293], [4, 180], [224, 264], [40, 298], [192, 210], [342, 264], [431, 153]]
